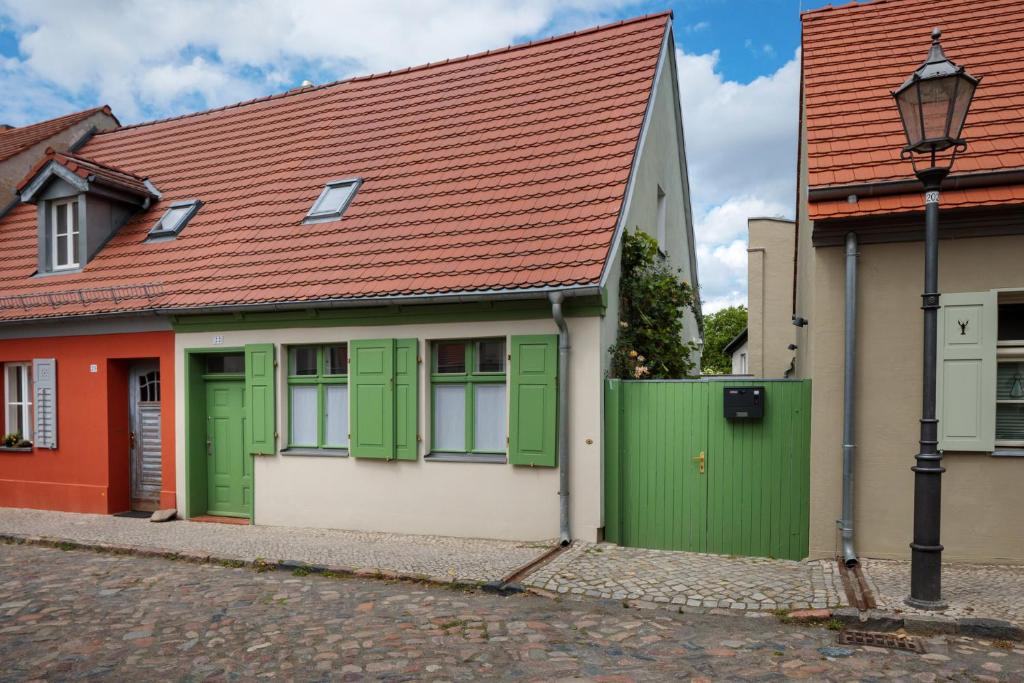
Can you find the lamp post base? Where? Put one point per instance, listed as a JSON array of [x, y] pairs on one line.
[[929, 605]]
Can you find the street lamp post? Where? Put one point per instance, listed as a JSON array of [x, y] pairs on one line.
[[933, 104]]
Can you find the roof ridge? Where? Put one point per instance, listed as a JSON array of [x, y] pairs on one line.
[[404, 70], [827, 9]]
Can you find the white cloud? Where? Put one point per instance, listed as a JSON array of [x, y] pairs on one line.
[[741, 146], [146, 59]]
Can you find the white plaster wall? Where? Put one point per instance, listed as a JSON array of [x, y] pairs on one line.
[[424, 497]]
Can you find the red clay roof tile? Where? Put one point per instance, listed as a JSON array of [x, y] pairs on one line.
[[854, 55], [500, 170]]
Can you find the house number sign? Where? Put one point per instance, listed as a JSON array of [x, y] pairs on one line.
[[931, 197]]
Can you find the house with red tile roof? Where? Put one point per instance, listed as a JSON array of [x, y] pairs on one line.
[[384, 303], [22, 147], [854, 185]]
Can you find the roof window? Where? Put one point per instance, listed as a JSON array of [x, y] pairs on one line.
[[333, 201], [175, 218]]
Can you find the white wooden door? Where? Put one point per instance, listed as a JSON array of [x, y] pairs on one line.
[[145, 436]]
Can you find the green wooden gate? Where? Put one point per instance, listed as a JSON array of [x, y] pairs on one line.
[[752, 496]]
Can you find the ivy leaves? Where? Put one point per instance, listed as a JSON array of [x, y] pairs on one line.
[[652, 302]]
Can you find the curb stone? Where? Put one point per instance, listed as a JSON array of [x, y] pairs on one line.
[[879, 620], [198, 557]]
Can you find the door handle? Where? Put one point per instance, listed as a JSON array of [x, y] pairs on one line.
[[131, 440], [209, 447], [700, 458]]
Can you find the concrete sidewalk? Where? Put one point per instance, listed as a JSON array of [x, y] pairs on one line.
[[436, 558]]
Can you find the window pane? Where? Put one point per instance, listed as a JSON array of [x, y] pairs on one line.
[[19, 421], [334, 199], [74, 249], [337, 415], [16, 373], [489, 417], [490, 356], [62, 219], [304, 410], [173, 218], [1010, 422], [304, 360], [450, 417], [451, 358], [233, 363], [73, 208], [62, 250], [1011, 322], [1010, 381], [337, 360]]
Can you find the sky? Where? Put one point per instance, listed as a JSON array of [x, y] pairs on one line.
[[738, 63]]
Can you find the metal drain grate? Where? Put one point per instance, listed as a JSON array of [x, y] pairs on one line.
[[893, 641]]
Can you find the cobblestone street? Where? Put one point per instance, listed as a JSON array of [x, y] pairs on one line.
[[74, 615]]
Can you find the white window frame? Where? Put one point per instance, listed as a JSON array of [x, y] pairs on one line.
[[25, 376], [72, 233]]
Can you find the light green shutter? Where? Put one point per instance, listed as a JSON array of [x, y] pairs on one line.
[[260, 406], [533, 416], [371, 385], [406, 398], [967, 371]]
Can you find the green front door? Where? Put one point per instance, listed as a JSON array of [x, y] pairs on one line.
[[229, 467]]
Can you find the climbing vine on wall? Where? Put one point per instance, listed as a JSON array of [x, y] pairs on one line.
[[652, 302]]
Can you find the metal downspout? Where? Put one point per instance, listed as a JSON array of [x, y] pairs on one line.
[[556, 299], [849, 395]]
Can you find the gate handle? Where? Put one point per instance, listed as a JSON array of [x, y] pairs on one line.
[[700, 458]]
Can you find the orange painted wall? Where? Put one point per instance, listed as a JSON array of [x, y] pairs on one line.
[[89, 469]]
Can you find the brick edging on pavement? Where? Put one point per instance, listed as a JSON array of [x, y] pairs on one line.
[[885, 620], [237, 562]]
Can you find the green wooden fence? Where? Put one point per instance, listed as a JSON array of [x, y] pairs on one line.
[[752, 497]]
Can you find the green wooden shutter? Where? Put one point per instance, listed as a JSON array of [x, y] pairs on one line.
[[261, 403], [968, 323], [406, 398], [371, 386], [533, 418]]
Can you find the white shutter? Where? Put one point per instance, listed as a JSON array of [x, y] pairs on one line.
[[968, 324], [44, 387]]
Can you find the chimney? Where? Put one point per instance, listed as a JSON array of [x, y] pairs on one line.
[[6, 126]]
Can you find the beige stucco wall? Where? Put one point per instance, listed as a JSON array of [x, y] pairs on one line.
[[423, 497], [14, 169], [770, 329], [982, 514], [661, 163]]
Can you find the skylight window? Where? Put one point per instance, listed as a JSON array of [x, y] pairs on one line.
[[333, 201], [174, 219]]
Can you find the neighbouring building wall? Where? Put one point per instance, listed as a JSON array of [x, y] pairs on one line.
[[660, 195], [89, 469], [982, 515], [770, 330], [425, 497], [13, 170], [741, 359], [806, 266]]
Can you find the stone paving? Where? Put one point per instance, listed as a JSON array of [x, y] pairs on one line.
[[437, 557], [971, 590], [77, 615], [690, 580]]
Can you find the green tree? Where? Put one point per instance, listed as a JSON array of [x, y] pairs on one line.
[[652, 302], [720, 328]]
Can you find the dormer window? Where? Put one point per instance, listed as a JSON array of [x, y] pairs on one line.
[[333, 201], [174, 219], [64, 238], [80, 204]]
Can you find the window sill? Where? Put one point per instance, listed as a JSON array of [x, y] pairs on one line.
[[317, 452], [1007, 452], [490, 458], [11, 449]]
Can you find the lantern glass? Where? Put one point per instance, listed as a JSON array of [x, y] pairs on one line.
[[964, 95], [936, 100], [910, 112]]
